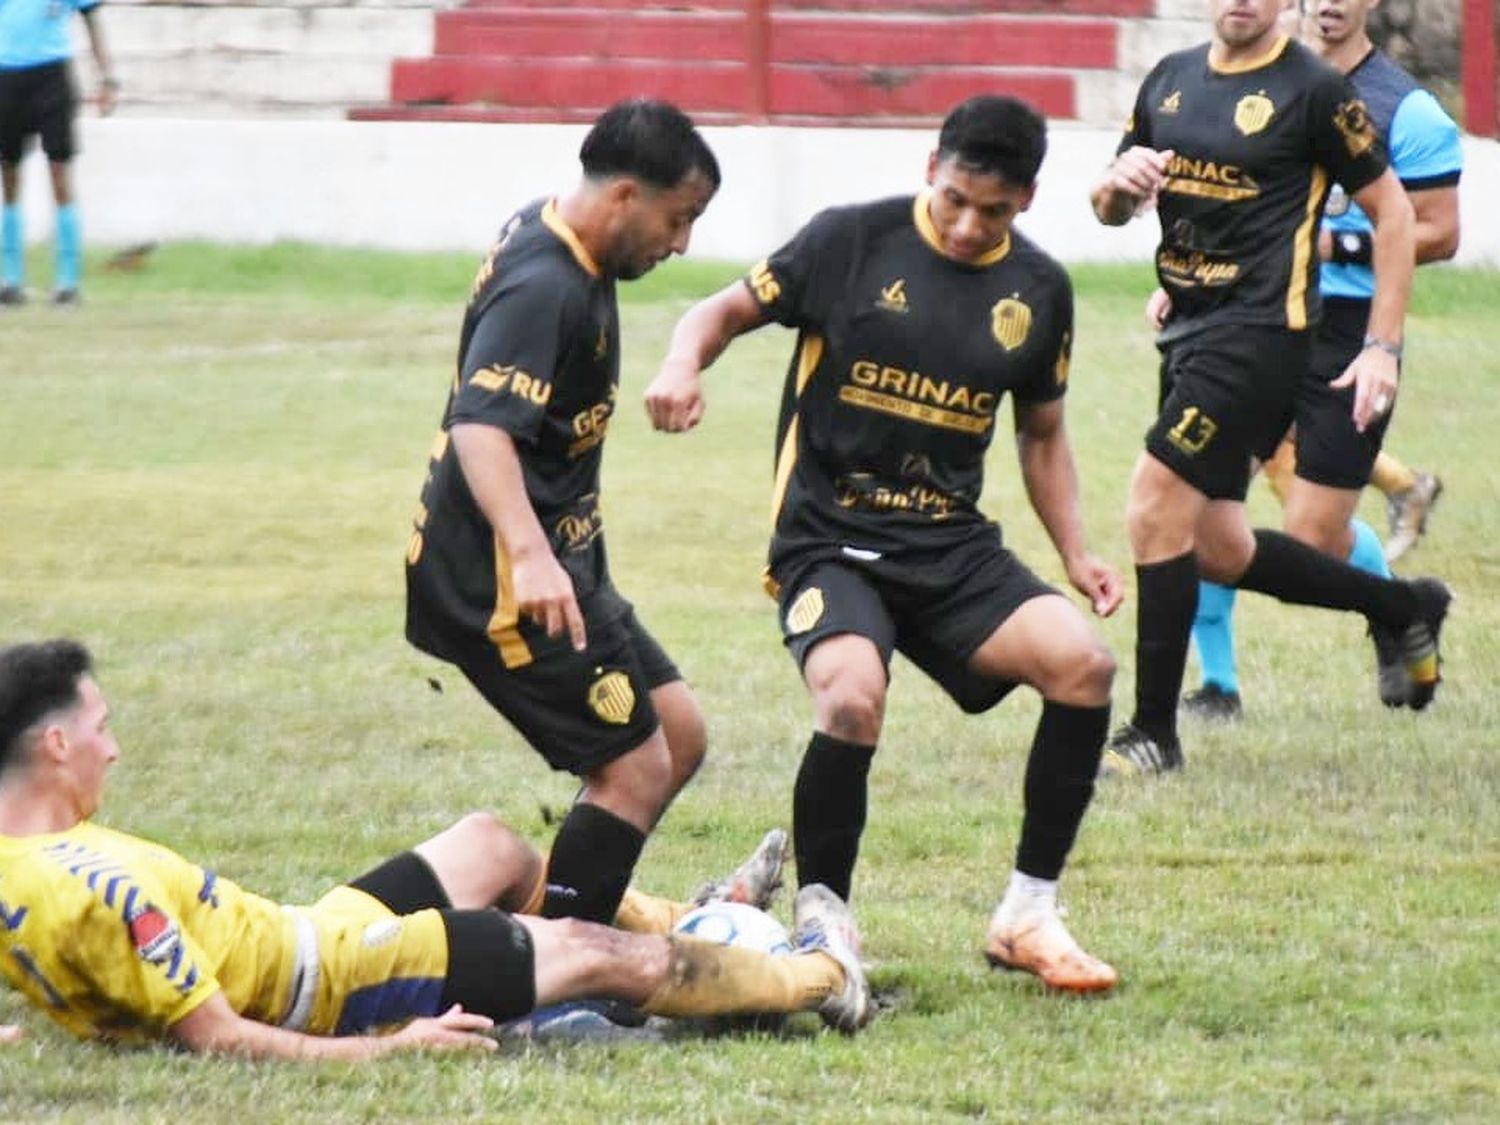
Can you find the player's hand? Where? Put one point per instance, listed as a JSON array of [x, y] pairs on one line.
[[11, 1033], [1375, 376], [454, 1030], [1139, 172], [1096, 580], [1158, 308], [109, 97], [544, 592], [674, 400]]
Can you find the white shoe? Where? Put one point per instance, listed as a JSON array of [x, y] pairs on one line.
[[1036, 941], [824, 923], [754, 882]]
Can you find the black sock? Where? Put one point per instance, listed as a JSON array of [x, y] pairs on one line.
[[828, 811], [1167, 597], [590, 865], [1294, 572], [1059, 784]]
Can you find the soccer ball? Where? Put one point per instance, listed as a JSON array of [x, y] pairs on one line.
[[737, 924]]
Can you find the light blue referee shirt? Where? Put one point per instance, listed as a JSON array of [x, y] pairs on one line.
[[36, 32], [1423, 144]]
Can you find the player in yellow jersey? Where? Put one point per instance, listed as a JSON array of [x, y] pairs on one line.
[[117, 938]]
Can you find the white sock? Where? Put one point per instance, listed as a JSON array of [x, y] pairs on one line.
[[1026, 894]]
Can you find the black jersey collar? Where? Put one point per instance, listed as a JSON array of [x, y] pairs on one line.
[[554, 223], [1271, 55], [922, 217]]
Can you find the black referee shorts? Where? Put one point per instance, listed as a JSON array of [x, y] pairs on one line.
[[38, 101], [935, 608], [1330, 451], [1229, 394]]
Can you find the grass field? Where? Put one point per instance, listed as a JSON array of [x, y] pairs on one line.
[[208, 475]]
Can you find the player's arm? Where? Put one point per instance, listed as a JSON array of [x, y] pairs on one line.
[[215, 1028], [109, 85], [491, 467], [674, 400], [1051, 479], [1128, 184], [1375, 370]]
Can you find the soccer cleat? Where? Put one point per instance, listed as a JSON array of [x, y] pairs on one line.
[[1419, 644], [67, 299], [1408, 510], [1390, 668], [754, 882], [824, 923], [1212, 704], [12, 295], [1131, 752], [1037, 942]]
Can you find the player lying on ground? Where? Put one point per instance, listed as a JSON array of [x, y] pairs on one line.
[[117, 938]]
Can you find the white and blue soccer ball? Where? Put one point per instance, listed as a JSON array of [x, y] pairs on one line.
[[737, 924]]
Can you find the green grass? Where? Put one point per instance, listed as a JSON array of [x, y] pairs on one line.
[[208, 475]]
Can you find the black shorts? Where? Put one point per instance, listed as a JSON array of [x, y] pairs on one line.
[[1330, 451], [934, 608], [579, 710], [38, 101], [1228, 394]]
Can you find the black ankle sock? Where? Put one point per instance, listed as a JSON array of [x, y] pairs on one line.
[[590, 865], [1167, 599], [1294, 572], [1059, 784], [828, 811]]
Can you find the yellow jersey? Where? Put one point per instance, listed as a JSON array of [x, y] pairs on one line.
[[118, 938]]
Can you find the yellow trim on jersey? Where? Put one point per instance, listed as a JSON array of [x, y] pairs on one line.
[[922, 217], [1248, 65], [1302, 250], [502, 629], [810, 352], [554, 222]]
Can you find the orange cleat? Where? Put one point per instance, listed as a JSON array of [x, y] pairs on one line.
[[1039, 943]]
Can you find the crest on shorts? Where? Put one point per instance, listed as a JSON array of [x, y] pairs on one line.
[[1352, 121], [1010, 321], [1253, 113], [612, 698], [805, 612]]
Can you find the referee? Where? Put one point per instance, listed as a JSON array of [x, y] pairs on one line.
[[38, 98]]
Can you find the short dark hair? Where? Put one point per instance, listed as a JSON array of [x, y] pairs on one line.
[[36, 680], [652, 140], [997, 136]]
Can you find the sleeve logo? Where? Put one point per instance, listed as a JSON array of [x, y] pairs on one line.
[[154, 935], [1352, 121]]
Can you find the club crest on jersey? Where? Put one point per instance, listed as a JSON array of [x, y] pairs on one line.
[[1010, 322], [805, 612], [612, 698], [1253, 113], [1171, 104], [1338, 201], [1352, 120], [153, 934], [893, 297]]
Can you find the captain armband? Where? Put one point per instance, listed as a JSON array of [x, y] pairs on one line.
[[1352, 248]]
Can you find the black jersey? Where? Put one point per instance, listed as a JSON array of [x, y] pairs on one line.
[[539, 357], [1255, 150], [902, 358]]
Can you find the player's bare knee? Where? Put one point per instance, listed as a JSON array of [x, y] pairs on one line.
[[1080, 676], [852, 709]]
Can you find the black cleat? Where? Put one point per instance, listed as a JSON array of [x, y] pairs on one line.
[[67, 299], [1419, 644], [12, 295], [1131, 752], [1390, 667], [1212, 704]]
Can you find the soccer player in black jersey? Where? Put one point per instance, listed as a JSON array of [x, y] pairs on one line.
[[1237, 142], [506, 571], [915, 316]]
